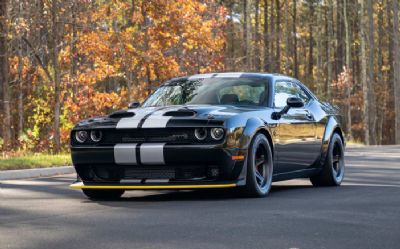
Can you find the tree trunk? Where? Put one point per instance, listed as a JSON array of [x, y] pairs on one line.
[[371, 77], [319, 39], [20, 81], [339, 39], [278, 37], [257, 61], [396, 69], [380, 109], [248, 37], [266, 39], [389, 121], [245, 48], [146, 46], [272, 37], [43, 34], [329, 57], [295, 66], [287, 37], [232, 36], [57, 76], [310, 45], [348, 67], [74, 53], [21, 91], [363, 76], [4, 72]]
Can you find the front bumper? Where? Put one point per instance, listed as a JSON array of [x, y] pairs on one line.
[[176, 166]]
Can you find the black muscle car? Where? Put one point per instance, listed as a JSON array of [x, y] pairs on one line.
[[219, 130]]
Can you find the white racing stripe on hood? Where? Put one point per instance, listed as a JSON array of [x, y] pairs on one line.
[[133, 122], [157, 119]]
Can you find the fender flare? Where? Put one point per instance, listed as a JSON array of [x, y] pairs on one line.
[[253, 126], [332, 125]]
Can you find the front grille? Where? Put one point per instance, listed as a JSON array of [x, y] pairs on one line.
[[149, 173], [176, 173], [113, 173], [153, 135]]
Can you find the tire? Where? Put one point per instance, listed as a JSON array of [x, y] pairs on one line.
[[259, 167], [332, 173], [103, 194]]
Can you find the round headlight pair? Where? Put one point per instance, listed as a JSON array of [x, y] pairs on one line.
[[82, 136], [200, 133], [216, 133], [96, 136]]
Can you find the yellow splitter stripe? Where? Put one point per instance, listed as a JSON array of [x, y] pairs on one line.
[[82, 186]]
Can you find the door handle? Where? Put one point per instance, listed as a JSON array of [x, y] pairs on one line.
[[309, 115], [305, 113]]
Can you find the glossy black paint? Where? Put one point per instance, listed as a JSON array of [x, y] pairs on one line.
[[299, 137]]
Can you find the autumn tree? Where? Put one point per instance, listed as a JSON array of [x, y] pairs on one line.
[[63, 61], [396, 69], [4, 74]]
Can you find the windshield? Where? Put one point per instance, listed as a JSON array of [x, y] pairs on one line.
[[211, 91]]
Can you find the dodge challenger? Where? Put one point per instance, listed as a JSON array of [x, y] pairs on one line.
[[218, 130]]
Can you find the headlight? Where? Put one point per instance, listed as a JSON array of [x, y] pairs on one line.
[[96, 136], [217, 133], [81, 136], [200, 133]]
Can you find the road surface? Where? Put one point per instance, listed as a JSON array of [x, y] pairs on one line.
[[363, 213]]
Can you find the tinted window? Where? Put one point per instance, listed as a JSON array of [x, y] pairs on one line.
[[212, 91], [285, 90], [247, 94]]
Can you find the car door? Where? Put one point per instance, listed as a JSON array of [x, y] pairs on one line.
[[296, 140]]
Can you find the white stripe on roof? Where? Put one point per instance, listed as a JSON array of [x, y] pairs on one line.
[[215, 75], [228, 75], [201, 76]]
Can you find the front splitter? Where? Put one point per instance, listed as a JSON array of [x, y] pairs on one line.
[[81, 185]]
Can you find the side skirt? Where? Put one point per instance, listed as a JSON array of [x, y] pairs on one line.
[[304, 173]]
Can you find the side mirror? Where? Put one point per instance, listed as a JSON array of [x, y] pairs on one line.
[[133, 105], [292, 102]]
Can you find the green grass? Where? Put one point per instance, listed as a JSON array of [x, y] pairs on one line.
[[35, 161]]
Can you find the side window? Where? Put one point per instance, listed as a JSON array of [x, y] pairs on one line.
[[287, 89], [246, 94]]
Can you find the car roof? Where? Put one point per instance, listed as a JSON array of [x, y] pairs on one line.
[[232, 75]]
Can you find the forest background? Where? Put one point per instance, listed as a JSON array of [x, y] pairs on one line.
[[65, 60]]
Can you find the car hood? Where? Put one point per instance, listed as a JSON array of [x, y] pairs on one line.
[[168, 116]]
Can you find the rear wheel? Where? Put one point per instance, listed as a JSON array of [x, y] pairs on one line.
[[259, 167], [103, 194], [332, 173]]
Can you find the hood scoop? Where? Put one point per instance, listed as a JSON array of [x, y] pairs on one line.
[[180, 113], [121, 114]]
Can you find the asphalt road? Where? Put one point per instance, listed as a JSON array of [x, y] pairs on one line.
[[363, 213]]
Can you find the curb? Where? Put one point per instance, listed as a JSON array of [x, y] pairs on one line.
[[33, 173]]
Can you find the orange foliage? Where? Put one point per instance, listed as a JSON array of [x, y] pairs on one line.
[[119, 57]]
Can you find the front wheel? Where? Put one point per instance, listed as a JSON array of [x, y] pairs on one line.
[[259, 167], [332, 173], [103, 194]]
